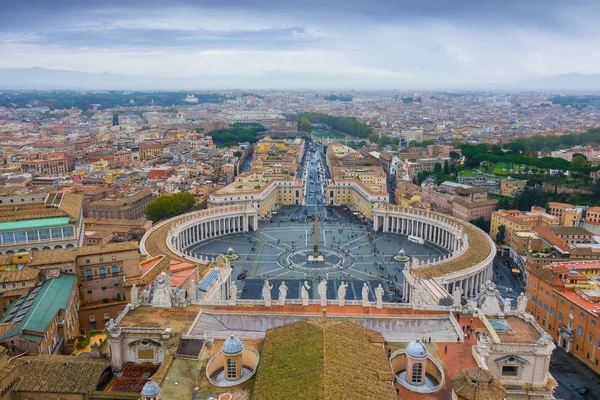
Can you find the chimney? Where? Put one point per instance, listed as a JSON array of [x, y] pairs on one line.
[[324, 316]]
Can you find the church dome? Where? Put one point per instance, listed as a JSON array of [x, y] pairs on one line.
[[232, 345], [416, 350], [151, 388]]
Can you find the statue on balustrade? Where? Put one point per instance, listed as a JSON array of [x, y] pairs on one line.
[[134, 295], [304, 293], [162, 295], [379, 296], [266, 292], [283, 289], [342, 294], [322, 289], [365, 295]]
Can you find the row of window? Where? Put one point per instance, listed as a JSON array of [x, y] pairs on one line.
[[65, 232], [101, 271]]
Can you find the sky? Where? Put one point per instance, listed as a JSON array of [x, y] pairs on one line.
[[309, 43]]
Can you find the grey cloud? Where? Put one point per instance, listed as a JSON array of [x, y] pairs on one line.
[[143, 38]]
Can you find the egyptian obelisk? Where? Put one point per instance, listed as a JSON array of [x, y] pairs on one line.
[[316, 237]]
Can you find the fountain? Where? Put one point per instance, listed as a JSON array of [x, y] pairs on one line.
[[401, 256]]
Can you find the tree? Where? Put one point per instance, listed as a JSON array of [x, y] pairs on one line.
[[169, 206], [481, 223], [385, 140], [304, 125], [374, 138], [238, 154], [446, 168], [496, 150], [437, 168], [579, 161], [454, 156], [500, 235]]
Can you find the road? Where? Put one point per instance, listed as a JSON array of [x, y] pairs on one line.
[[508, 285], [314, 189], [572, 375]]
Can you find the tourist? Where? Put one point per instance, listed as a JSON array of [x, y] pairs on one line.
[[446, 349]]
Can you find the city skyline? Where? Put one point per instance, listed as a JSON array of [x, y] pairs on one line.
[[309, 44]]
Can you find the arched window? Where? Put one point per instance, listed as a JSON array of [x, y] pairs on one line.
[[102, 271], [58, 246], [231, 369], [115, 269], [88, 272], [69, 246], [46, 248], [417, 373]]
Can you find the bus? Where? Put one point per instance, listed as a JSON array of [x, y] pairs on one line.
[[416, 239]]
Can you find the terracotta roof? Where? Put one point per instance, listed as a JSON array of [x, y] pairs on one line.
[[59, 374], [24, 274], [56, 256], [71, 204]]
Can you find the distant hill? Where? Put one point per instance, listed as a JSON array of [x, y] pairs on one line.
[[565, 82]]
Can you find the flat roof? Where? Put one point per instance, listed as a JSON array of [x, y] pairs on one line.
[[34, 223]]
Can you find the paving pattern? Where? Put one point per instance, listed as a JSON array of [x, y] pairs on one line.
[[368, 257]]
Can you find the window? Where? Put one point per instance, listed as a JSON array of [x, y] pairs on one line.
[[92, 317], [510, 370], [560, 316], [32, 235], [87, 261], [533, 299], [102, 271], [539, 302], [100, 260], [115, 269], [552, 311], [417, 373], [231, 369], [68, 231], [88, 272], [7, 238], [20, 237], [545, 307], [581, 315], [591, 338], [562, 302], [56, 233], [89, 292], [579, 330], [594, 322], [22, 284], [106, 315], [572, 308]]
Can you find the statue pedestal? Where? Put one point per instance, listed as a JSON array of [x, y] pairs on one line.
[[323, 302], [341, 302], [379, 304], [318, 258], [366, 303], [304, 302], [268, 303]]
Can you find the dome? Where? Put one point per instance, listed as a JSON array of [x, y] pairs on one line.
[[151, 388], [416, 350], [232, 345]]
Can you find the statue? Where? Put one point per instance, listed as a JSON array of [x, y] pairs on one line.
[[266, 292], [232, 293], [457, 295], [146, 296], [283, 289], [365, 295], [110, 325], [522, 303], [322, 289], [180, 300], [304, 295], [342, 294], [134, 294], [192, 290], [163, 292], [379, 296], [506, 309]]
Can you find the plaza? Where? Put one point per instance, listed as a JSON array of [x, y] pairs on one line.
[[352, 253]]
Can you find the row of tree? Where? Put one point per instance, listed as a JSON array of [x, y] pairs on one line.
[[547, 143], [348, 125], [165, 207], [237, 133]]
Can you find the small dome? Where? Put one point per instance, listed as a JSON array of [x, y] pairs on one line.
[[151, 388], [416, 350], [232, 345]]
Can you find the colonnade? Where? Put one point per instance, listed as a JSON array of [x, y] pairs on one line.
[[446, 232], [203, 229]]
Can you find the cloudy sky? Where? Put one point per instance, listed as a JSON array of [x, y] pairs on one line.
[[306, 43]]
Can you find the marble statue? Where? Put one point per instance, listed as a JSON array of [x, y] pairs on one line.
[[163, 292], [522, 303], [506, 309], [304, 294], [146, 296], [180, 300], [322, 289], [233, 293], [192, 290], [457, 295], [365, 295], [283, 289], [266, 292], [342, 294], [134, 294], [379, 296], [110, 325]]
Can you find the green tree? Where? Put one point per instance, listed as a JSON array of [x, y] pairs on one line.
[[446, 168], [384, 140], [169, 206], [374, 138], [481, 223], [437, 168], [579, 161], [238, 154], [454, 156], [500, 235], [496, 150], [304, 125]]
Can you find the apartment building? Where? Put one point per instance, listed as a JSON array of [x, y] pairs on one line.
[[462, 201], [515, 220], [568, 214], [54, 166], [130, 206], [264, 191], [564, 301]]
